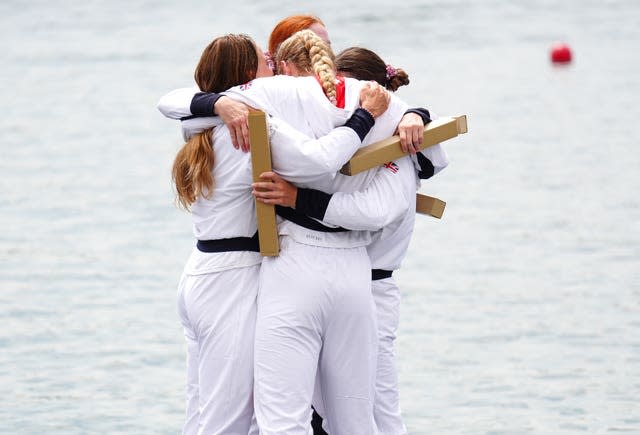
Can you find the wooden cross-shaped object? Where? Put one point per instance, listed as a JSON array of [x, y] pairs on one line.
[[386, 150]]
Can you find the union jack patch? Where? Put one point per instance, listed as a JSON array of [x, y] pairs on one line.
[[392, 167], [245, 86]]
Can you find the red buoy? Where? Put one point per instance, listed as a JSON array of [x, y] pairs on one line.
[[560, 53]]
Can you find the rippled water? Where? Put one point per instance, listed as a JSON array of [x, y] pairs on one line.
[[521, 310]]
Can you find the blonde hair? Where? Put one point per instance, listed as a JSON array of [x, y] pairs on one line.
[[311, 55]]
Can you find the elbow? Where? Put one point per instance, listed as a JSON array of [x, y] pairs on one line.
[[441, 164], [437, 169], [437, 157], [316, 164], [398, 209], [388, 211], [165, 108], [384, 217], [161, 106]]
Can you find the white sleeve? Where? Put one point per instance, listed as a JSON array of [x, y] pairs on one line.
[[271, 94], [299, 158], [435, 153], [261, 93], [295, 156], [380, 203], [193, 126], [177, 104]]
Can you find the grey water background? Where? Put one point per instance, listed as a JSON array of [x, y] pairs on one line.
[[521, 307]]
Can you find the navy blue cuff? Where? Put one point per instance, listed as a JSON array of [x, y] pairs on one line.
[[312, 202], [426, 167], [202, 104], [424, 114], [361, 122]]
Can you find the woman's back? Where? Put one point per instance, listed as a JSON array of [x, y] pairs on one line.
[[230, 210]]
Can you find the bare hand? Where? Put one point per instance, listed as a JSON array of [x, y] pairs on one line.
[[235, 115], [374, 98], [272, 189], [411, 130]]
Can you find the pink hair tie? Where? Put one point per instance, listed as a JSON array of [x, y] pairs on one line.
[[270, 63], [391, 72]]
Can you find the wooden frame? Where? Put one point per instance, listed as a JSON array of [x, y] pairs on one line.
[[430, 206], [389, 149], [261, 162]]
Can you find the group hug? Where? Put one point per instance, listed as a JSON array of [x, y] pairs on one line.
[[274, 343]]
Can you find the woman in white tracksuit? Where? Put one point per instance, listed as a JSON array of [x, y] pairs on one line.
[[386, 251], [391, 239], [315, 306], [218, 289], [315, 310], [390, 243]]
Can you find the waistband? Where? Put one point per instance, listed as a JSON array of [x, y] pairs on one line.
[[305, 221], [231, 244], [378, 274]]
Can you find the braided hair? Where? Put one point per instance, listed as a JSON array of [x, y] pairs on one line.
[[310, 55]]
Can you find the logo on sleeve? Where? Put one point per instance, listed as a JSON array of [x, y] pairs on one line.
[[392, 167], [245, 86]]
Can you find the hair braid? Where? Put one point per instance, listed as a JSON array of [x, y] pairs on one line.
[[322, 62], [311, 55]]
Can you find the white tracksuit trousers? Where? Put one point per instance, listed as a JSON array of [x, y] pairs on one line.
[[315, 312], [386, 295], [217, 311], [386, 409]]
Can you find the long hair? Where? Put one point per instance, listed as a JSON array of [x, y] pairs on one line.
[[363, 64], [311, 55], [287, 27], [227, 61]]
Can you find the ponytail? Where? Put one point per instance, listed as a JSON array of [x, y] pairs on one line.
[[398, 78], [227, 61], [363, 64], [191, 171]]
